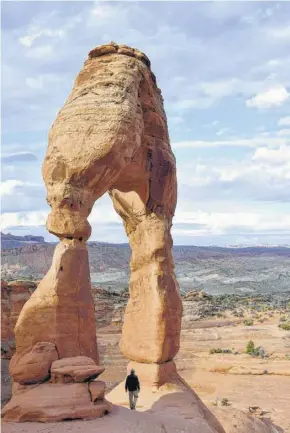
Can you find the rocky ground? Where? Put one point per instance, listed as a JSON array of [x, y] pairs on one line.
[[213, 357], [235, 380]]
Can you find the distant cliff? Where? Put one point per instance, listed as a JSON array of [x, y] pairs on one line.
[[215, 270], [9, 241]]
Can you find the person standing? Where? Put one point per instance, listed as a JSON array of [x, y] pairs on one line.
[[133, 386]]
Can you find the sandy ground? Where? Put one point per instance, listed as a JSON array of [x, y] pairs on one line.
[[243, 380]]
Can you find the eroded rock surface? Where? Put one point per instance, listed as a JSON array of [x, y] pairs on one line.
[[61, 309], [111, 135], [54, 402], [174, 402], [34, 366], [76, 369], [13, 296]]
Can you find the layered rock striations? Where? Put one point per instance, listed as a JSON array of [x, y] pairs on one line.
[[13, 296], [61, 310], [111, 135]]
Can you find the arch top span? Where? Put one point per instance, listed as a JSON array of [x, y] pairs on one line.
[[110, 134]]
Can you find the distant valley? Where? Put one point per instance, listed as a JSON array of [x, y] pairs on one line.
[[215, 270]]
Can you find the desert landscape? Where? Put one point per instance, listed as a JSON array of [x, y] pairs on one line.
[[216, 270], [213, 358], [205, 328]]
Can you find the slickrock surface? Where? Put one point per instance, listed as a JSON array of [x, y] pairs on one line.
[[240, 378], [122, 420], [54, 402], [175, 402]]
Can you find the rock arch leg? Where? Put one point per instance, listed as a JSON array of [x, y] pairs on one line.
[[151, 330], [152, 321]]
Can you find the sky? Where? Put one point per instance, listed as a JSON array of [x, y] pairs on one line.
[[223, 68]]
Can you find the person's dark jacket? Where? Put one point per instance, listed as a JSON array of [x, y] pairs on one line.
[[132, 383]]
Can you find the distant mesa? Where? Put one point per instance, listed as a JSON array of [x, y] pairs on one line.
[[9, 241]]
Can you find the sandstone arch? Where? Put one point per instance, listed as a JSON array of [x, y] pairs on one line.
[[110, 136]]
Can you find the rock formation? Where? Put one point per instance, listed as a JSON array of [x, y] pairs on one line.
[[13, 296], [111, 135], [56, 349]]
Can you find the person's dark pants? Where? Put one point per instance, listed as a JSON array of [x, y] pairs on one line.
[[133, 395]]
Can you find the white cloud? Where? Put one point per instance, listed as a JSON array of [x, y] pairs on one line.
[[284, 121], [259, 140], [8, 187], [272, 97], [246, 167], [16, 219], [103, 207], [37, 33], [281, 32], [218, 223], [283, 132], [280, 156]]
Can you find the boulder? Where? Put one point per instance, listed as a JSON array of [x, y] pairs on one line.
[[76, 369], [54, 402], [97, 389], [34, 366]]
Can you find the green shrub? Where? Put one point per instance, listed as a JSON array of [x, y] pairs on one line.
[[248, 322], [283, 319], [225, 402], [285, 326], [218, 350], [250, 347]]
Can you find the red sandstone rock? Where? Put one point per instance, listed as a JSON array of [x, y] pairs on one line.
[[35, 365], [111, 135], [97, 389], [79, 369], [154, 375], [116, 111], [13, 296], [54, 402], [61, 310]]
